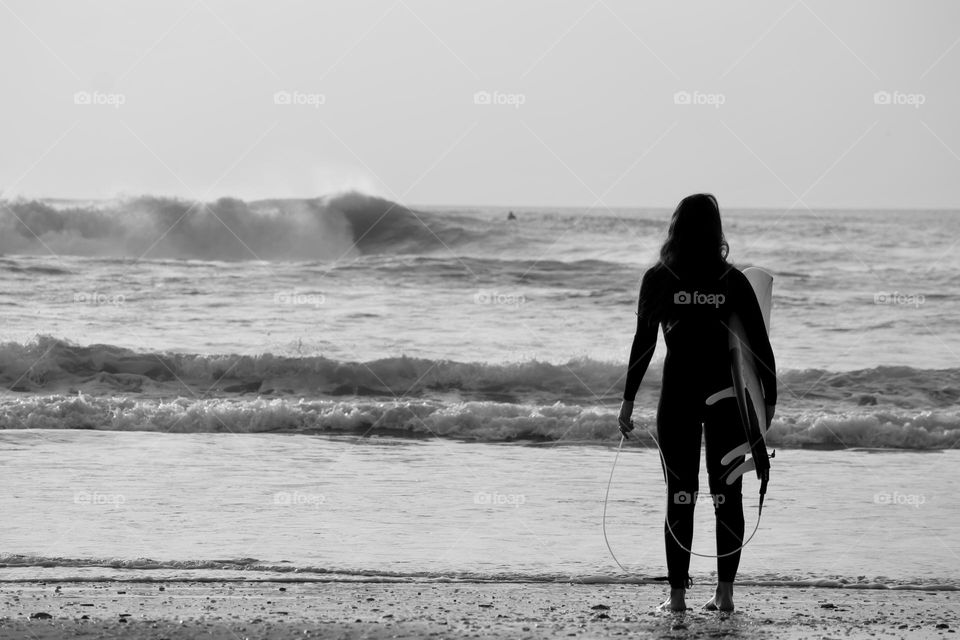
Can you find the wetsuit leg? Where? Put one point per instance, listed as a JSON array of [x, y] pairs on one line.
[[679, 434], [722, 432]]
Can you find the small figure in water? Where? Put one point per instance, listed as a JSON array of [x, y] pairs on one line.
[[510, 216], [697, 365]]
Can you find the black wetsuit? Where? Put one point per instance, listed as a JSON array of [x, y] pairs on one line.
[[694, 314]]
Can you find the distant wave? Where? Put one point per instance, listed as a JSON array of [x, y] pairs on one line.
[[324, 228], [253, 570]]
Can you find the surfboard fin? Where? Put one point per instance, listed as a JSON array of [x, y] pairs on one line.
[[741, 469], [750, 464], [729, 392], [734, 453]]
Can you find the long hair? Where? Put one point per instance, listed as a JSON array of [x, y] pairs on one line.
[[695, 246]]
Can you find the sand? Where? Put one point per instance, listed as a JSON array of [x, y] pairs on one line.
[[238, 610]]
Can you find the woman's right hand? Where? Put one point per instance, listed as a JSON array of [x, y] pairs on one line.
[[626, 412]]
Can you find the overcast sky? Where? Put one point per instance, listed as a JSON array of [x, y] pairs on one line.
[[586, 101]]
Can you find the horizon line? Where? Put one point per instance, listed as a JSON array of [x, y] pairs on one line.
[[506, 207]]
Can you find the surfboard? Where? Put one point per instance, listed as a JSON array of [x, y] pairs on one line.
[[746, 386]]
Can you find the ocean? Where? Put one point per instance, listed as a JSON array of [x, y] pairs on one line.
[[348, 388]]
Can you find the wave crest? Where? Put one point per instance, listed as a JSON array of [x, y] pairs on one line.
[[325, 228]]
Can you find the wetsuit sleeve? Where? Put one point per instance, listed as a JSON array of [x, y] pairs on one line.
[[644, 340], [752, 320]]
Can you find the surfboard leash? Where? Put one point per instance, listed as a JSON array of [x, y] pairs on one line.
[[667, 521], [606, 498]]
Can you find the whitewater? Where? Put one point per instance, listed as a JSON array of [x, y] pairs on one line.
[[185, 359]]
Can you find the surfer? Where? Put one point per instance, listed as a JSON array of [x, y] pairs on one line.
[[691, 293]]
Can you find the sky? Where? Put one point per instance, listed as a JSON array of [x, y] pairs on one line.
[[617, 103]]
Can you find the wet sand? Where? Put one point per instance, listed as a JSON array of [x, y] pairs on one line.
[[232, 610]]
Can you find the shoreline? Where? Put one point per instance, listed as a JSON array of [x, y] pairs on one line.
[[293, 576], [275, 610]]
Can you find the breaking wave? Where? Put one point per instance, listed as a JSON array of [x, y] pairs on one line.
[[323, 228], [484, 421], [56, 385]]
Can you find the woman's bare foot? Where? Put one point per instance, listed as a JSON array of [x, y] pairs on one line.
[[722, 600], [676, 602]]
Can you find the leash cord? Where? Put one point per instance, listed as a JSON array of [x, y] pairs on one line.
[[606, 499]]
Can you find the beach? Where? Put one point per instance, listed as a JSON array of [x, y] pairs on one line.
[[275, 610]]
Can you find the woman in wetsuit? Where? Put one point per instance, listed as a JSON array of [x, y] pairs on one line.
[[691, 292]]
